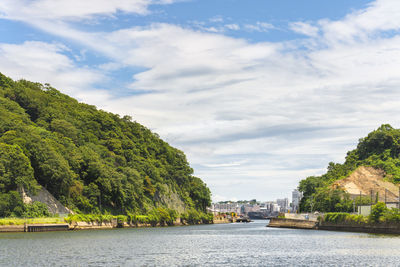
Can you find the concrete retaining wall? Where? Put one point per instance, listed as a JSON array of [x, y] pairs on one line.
[[292, 223], [302, 216], [34, 228], [12, 228], [221, 220], [381, 228]]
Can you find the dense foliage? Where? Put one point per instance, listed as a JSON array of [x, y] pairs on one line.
[[380, 149], [91, 160], [342, 217], [155, 217], [379, 214]]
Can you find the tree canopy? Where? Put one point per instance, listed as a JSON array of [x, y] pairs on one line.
[[89, 159], [380, 149]]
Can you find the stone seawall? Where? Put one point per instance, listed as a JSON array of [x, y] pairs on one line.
[[381, 228], [34, 228], [12, 228], [89, 226], [221, 220], [292, 223]]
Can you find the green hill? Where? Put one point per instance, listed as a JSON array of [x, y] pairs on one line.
[[380, 149], [92, 161]]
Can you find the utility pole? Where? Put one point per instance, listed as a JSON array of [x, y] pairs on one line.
[[371, 196], [385, 195], [399, 199]]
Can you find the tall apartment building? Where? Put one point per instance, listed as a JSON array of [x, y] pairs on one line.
[[296, 197], [283, 204]]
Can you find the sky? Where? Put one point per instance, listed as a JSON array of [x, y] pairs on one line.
[[259, 94]]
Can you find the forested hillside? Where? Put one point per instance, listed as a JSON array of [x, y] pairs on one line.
[[91, 160], [380, 149]]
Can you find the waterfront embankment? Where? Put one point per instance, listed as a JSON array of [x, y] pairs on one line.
[[376, 228], [92, 225], [34, 228], [292, 223], [345, 226]]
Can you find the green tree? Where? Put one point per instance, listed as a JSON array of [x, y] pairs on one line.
[[377, 212], [15, 169]]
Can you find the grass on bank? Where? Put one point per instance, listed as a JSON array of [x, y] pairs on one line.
[[159, 216], [379, 214], [21, 221]]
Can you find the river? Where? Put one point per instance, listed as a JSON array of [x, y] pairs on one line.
[[250, 244]]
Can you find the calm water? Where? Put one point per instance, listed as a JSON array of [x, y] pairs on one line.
[[250, 244]]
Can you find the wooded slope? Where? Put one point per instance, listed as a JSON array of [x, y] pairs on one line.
[[91, 160], [380, 150]]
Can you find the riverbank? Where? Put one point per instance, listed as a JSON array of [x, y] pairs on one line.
[[376, 228], [35, 225], [292, 223], [244, 244], [34, 228]]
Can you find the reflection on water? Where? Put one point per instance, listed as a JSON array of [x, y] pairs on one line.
[[250, 244]]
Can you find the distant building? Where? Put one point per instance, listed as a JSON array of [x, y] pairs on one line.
[[225, 207], [296, 198], [283, 204]]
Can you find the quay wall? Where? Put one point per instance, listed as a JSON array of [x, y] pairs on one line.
[[34, 228], [12, 228], [378, 228], [90, 225], [221, 220], [292, 223]]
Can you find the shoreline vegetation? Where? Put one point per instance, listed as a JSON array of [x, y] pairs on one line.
[[379, 150], [381, 220], [156, 218], [58, 153]]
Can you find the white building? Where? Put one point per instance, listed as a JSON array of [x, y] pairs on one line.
[[225, 207], [283, 204], [296, 197]]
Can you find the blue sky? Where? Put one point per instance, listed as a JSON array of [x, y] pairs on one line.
[[259, 94]]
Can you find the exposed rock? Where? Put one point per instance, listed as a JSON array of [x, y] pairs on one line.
[[54, 206], [170, 199], [366, 179]]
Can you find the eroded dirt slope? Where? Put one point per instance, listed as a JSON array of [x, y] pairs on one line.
[[367, 179]]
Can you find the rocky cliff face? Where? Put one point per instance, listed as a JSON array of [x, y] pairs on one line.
[[54, 206], [170, 199]]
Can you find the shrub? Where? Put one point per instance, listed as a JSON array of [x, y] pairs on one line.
[[35, 209], [207, 218], [377, 212], [335, 217], [339, 217], [141, 219], [391, 215], [154, 217]]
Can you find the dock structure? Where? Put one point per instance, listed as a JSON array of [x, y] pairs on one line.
[[292, 223], [244, 219], [45, 227]]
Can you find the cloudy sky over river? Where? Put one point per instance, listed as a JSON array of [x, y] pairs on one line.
[[258, 94]]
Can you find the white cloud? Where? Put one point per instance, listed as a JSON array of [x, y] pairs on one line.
[[216, 19], [304, 28], [46, 63], [259, 27], [281, 110], [72, 9], [381, 15], [233, 27]]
